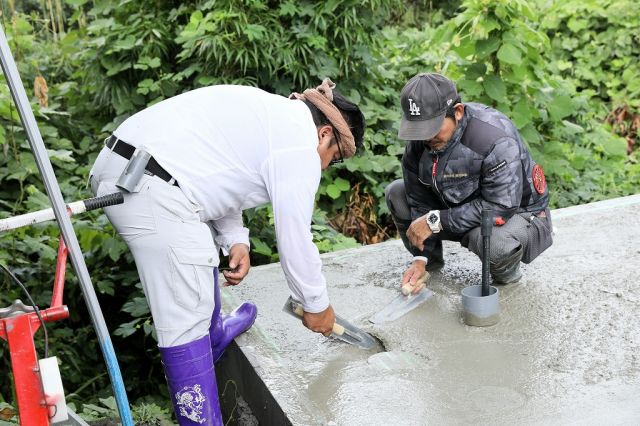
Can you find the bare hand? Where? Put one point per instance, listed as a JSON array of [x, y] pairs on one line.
[[418, 232], [239, 264], [321, 322], [415, 278]]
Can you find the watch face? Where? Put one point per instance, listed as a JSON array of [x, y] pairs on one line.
[[432, 218]]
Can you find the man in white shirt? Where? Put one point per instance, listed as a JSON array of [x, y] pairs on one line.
[[214, 152]]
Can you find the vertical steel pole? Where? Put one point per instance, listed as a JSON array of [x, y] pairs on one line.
[[53, 190]]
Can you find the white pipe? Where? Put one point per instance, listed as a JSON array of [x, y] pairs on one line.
[[37, 217]]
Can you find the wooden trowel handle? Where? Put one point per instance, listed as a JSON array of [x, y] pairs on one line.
[[337, 328], [298, 310]]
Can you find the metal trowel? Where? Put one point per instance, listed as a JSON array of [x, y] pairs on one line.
[[400, 306], [342, 329]]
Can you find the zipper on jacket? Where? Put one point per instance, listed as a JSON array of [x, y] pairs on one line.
[[434, 170]]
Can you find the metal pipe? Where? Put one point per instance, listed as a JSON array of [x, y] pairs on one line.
[[53, 190], [485, 231]]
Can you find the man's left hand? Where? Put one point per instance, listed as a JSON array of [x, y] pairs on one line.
[[239, 262], [418, 232]]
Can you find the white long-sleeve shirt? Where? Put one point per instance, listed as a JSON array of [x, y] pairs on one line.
[[233, 147]]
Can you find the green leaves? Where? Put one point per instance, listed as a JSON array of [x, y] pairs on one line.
[[510, 54], [338, 187], [560, 107], [495, 88]]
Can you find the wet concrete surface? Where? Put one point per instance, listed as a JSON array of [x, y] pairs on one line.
[[565, 351]]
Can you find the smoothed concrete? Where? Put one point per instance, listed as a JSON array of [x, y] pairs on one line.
[[566, 349]]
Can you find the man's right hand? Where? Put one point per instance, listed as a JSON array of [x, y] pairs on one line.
[[415, 278], [321, 322]]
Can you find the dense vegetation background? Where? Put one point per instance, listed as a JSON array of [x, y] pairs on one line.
[[566, 72]]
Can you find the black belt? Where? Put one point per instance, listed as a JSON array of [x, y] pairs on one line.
[[125, 150]]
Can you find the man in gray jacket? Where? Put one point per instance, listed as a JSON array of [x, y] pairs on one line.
[[461, 159]]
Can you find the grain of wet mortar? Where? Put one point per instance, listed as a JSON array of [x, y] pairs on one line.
[[564, 351]]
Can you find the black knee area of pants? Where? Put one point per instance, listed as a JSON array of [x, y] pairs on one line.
[[396, 198], [504, 263]]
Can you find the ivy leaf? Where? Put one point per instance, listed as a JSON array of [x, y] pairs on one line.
[[510, 54], [125, 44], [342, 184], [486, 47], [114, 248], [63, 155], [521, 114], [615, 146], [106, 287], [475, 71], [127, 329], [530, 134], [560, 107], [495, 88], [137, 307], [470, 88], [333, 191], [261, 247], [149, 329]]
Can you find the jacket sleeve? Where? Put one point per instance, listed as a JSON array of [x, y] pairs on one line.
[[420, 195], [500, 189]]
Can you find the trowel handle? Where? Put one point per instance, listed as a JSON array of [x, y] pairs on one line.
[[297, 310], [338, 329]]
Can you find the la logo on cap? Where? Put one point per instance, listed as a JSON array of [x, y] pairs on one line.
[[413, 108]]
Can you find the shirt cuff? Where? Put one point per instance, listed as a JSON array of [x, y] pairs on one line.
[[226, 241], [317, 304], [424, 259]]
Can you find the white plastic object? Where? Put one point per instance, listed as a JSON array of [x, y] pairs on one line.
[[53, 391]]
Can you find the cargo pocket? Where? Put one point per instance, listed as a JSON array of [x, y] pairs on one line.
[[540, 239], [192, 277]]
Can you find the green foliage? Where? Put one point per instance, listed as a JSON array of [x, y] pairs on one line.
[[596, 46], [503, 60]]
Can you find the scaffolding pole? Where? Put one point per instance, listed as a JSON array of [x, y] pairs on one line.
[[64, 222]]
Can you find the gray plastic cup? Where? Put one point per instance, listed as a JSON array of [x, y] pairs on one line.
[[478, 310]]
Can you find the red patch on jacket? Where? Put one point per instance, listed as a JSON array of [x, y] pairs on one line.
[[539, 181]]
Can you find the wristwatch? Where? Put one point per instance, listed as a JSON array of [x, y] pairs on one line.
[[433, 220]]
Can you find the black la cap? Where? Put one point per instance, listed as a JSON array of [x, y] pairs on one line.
[[424, 100]]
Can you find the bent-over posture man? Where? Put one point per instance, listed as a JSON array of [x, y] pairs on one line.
[[214, 152], [462, 158]]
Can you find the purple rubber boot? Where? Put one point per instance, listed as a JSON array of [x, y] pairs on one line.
[[189, 371], [225, 328]]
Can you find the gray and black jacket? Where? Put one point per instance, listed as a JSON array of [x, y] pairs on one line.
[[485, 165]]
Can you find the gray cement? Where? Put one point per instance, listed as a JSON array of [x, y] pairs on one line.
[[565, 351]]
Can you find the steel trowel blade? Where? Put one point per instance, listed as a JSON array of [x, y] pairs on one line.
[[342, 329], [400, 306], [354, 335]]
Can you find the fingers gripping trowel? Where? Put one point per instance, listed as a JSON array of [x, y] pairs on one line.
[[342, 329], [403, 304]]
